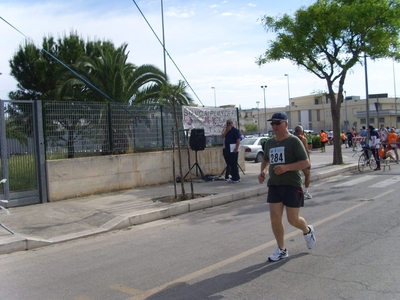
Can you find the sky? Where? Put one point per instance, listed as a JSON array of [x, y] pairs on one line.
[[212, 43]]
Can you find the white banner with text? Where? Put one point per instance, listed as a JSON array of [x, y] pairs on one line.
[[211, 119]]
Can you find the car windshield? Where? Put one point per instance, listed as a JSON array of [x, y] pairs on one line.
[[248, 141]]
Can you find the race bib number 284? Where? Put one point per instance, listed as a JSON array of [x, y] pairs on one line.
[[277, 155]]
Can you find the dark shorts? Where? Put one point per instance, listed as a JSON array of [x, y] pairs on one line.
[[289, 195]]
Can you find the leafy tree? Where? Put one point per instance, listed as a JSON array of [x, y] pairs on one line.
[[112, 75], [251, 127], [331, 36]]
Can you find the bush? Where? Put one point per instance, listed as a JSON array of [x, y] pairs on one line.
[[316, 141]]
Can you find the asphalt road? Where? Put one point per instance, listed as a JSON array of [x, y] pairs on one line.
[[221, 253]]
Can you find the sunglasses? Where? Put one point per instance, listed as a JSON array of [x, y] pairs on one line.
[[277, 123], [228, 123]]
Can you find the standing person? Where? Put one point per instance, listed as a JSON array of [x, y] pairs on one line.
[[299, 132], [242, 135], [284, 157], [354, 133], [330, 137], [324, 139], [374, 144], [343, 138], [349, 136], [309, 141], [392, 140], [231, 148], [383, 135], [363, 133], [225, 153]]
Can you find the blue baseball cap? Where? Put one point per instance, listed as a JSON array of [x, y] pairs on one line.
[[281, 116]]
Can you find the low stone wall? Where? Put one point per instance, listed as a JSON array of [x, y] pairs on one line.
[[78, 177]]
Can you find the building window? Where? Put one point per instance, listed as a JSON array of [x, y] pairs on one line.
[[318, 115], [362, 120], [299, 116], [381, 120], [316, 102], [310, 115]]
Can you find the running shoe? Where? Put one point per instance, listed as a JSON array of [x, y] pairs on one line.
[[278, 255], [307, 196], [310, 237]]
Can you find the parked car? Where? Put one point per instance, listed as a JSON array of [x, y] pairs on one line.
[[252, 148]]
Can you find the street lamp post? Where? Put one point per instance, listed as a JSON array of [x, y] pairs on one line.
[[215, 97], [258, 116], [288, 91], [265, 109], [395, 97], [345, 112], [163, 34]]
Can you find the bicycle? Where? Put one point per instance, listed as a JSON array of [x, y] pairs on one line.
[[366, 158]]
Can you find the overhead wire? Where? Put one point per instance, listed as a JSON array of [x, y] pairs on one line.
[[71, 70], [166, 51]]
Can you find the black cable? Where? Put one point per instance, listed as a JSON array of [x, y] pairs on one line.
[[75, 73], [167, 52]]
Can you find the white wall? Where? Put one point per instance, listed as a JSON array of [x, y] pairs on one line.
[[78, 177]]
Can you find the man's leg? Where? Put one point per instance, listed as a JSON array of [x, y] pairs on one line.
[[233, 163], [228, 168], [294, 219], [276, 212], [307, 180]]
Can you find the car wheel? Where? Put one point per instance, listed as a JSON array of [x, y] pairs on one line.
[[259, 157]]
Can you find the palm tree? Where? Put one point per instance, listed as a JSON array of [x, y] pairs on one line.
[[105, 77], [109, 75]]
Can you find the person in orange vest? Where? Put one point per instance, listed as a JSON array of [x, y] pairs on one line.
[[392, 140], [324, 140], [343, 138]]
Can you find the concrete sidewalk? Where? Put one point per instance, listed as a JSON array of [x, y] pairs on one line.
[[45, 224]]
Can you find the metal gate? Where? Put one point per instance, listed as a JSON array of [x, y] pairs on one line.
[[22, 153]]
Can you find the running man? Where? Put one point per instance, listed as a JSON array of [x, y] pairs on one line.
[[284, 157]]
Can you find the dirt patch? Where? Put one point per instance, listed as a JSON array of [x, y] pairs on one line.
[[172, 199]]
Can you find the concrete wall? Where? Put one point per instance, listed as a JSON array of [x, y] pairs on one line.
[[78, 177]]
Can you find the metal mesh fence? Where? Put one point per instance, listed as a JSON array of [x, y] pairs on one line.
[[76, 129], [18, 120]]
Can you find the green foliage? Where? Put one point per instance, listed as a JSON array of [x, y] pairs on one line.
[[251, 127], [316, 141], [331, 36], [21, 172]]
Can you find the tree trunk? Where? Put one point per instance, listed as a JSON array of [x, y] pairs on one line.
[[337, 143], [179, 150]]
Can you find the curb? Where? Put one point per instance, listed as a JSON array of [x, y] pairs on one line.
[[20, 243]]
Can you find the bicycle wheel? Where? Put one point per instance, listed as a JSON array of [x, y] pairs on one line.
[[361, 162], [372, 160]]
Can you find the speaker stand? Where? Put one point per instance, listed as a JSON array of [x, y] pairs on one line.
[[198, 170], [239, 167]]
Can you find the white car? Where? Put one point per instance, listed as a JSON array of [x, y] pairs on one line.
[[252, 148]]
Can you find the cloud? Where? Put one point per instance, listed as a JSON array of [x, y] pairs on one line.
[[212, 44]]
